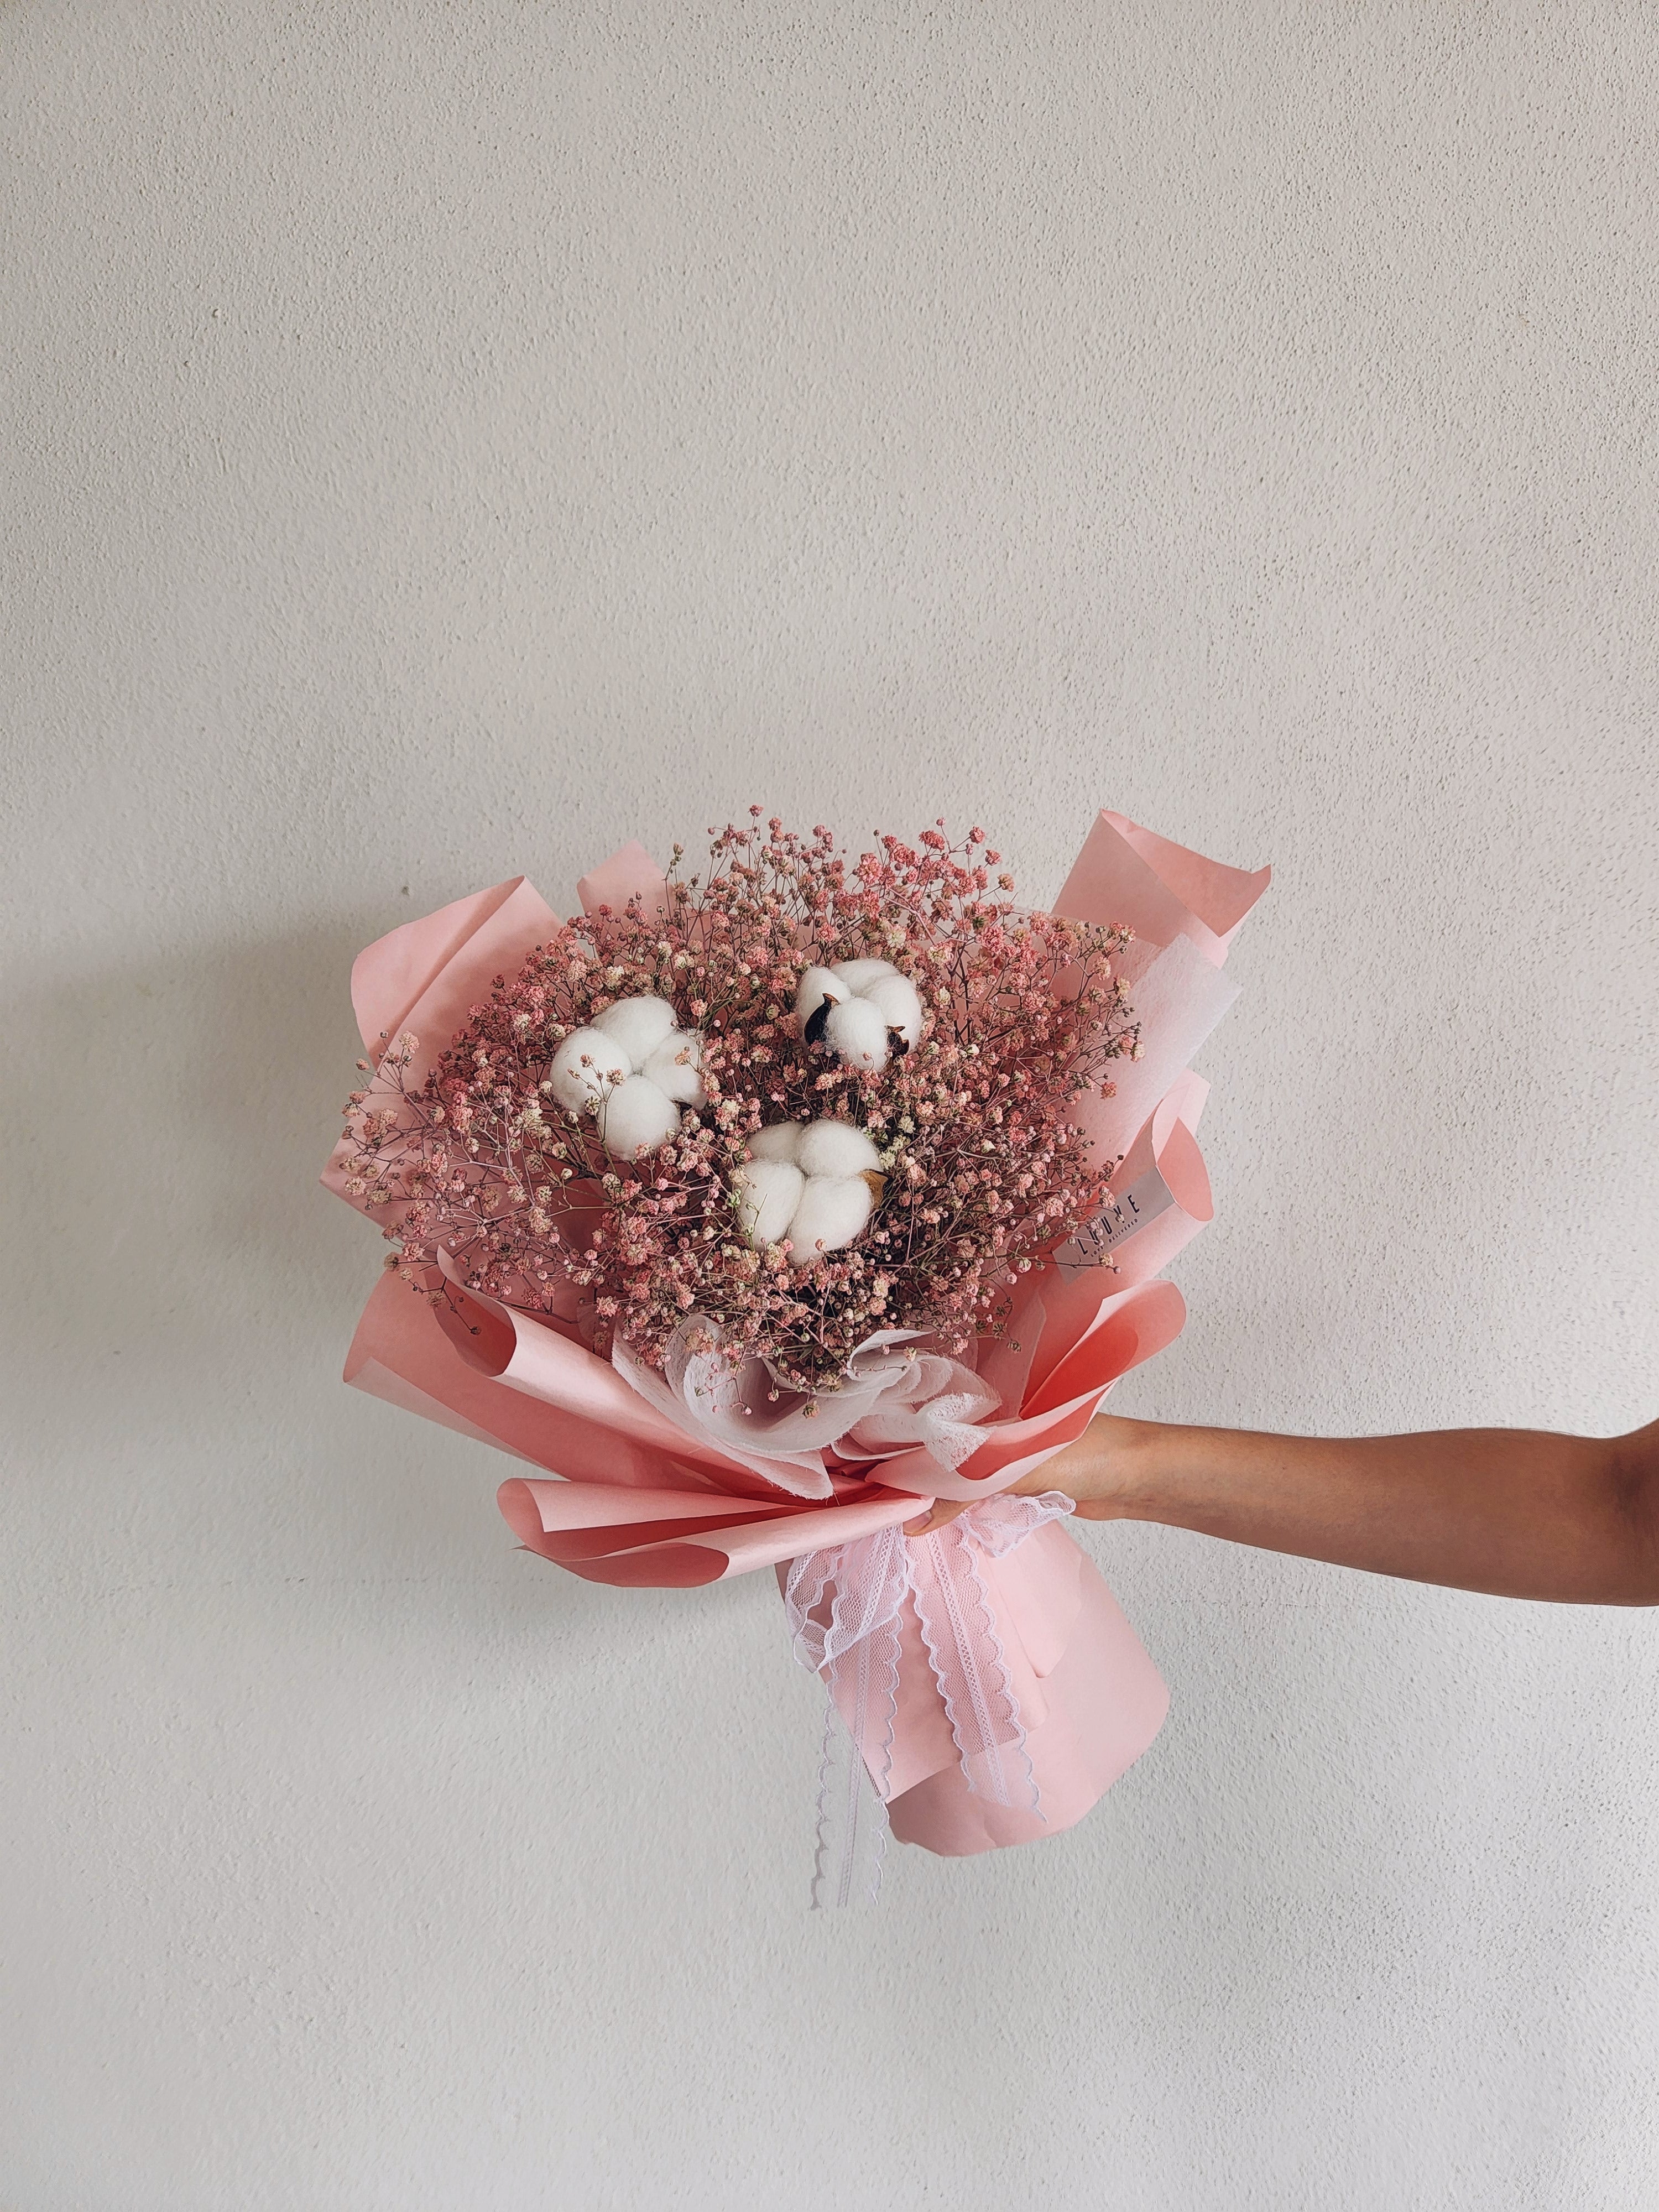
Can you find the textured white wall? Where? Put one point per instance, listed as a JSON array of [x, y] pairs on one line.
[[446, 441]]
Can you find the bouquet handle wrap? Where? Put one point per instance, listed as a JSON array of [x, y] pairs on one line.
[[986, 1676]]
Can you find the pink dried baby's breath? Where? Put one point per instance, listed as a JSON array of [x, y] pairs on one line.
[[984, 1168]]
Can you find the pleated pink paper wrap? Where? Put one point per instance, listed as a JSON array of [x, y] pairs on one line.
[[617, 1492]]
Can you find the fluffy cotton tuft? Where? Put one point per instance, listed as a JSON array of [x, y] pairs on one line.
[[636, 1118], [900, 1005], [676, 1068], [862, 1011], [832, 1210], [637, 1025], [579, 1088], [836, 1148], [817, 985], [860, 975], [781, 1142], [856, 1032], [768, 1194]]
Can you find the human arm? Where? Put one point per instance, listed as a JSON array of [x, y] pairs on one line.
[[1514, 1512]]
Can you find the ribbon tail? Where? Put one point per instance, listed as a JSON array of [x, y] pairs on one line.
[[851, 1837], [843, 1605]]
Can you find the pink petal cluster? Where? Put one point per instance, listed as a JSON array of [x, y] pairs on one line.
[[490, 1184]]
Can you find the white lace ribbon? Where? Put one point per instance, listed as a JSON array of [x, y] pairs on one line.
[[844, 1606]]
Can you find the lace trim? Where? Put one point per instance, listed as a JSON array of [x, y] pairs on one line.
[[966, 1655], [851, 1844], [844, 1606]]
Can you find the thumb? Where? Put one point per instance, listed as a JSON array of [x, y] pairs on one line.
[[941, 1512]]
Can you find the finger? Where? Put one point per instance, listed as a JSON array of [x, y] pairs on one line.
[[939, 1515]]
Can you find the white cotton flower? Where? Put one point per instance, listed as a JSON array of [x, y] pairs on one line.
[[634, 1070], [676, 1067], [806, 1181], [638, 1025], [586, 1066], [861, 1010], [636, 1118], [768, 1193]]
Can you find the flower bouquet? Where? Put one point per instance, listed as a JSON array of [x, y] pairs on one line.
[[755, 1208]]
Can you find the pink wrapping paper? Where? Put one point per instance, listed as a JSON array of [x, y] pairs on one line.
[[1091, 1701], [615, 1491]]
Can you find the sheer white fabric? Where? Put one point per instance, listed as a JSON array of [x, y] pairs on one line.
[[895, 1395], [844, 1606]]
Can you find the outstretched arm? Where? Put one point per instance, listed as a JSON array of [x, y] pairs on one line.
[[1516, 1512]]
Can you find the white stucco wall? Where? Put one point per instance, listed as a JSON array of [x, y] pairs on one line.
[[440, 442]]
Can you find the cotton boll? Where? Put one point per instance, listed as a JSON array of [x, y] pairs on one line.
[[832, 1210], [817, 985], [768, 1191], [860, 975], [899, 1004], [637, 1025], [856, 1032], [676, 1067], [781, 1142], [578, 1088], [636, 1118], [836, 1148]]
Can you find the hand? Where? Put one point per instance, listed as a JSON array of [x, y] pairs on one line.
[[1093, 1471]]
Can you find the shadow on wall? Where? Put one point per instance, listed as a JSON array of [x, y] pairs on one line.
[[168, 1101], [177, 1108], [181, 1322]]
